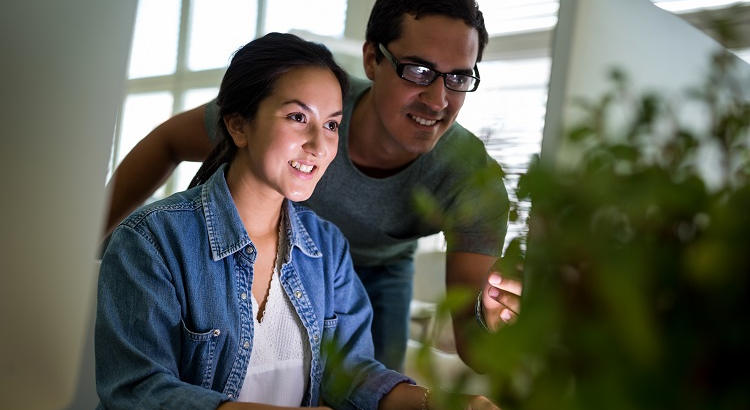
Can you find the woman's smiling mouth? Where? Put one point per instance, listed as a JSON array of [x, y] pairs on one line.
[[301, 167]]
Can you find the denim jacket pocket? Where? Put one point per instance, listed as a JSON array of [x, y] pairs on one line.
[[327, 346], [329, 327], [197, 362]]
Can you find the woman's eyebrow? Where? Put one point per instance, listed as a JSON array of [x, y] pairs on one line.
[[307, 108], [298, 102]]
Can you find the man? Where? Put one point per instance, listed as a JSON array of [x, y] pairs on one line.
[[398, 145]]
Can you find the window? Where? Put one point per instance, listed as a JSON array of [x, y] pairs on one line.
[[514, 16], [154, 50], [321, 17], [512, 130], [217, 29]]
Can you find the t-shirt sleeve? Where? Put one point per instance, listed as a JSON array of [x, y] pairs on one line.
[[480, 212], [474, 198], [211, 121]]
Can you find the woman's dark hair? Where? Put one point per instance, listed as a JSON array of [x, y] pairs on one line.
[[386, 17], [250, 78]]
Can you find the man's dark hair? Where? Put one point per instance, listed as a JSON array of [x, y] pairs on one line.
[[387, 16]]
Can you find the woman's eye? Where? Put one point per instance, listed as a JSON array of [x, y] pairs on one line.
[[332, 125], [297, 116]]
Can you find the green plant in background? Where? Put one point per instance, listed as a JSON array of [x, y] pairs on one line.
[[637, 274]]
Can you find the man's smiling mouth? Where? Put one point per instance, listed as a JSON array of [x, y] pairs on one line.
[[422, 121]]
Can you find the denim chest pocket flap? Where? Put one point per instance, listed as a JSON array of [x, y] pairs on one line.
[[198, 355]]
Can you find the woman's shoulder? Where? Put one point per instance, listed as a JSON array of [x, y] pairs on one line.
[[163, 210]]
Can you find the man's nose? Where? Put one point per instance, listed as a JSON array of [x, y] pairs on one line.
[[435, 95]]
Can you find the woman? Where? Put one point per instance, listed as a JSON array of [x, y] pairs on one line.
[[228, 295]]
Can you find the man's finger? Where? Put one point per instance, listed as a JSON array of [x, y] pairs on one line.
[[509, 285], [508, 300]]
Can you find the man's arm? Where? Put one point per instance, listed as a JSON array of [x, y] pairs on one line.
[[146, 167], [472, 271]]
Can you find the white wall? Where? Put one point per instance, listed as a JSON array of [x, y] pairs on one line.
[[63, 70]]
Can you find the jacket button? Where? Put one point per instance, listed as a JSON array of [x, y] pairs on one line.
[[297, 294], [217, 332], [243, 296], [315, 337], [246, 345]]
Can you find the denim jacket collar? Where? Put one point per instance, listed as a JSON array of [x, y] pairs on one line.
[[227, 234]]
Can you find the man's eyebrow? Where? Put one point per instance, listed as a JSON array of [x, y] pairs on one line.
[[431, 65]]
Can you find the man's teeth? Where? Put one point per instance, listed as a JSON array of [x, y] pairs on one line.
[[423, 121], [302, 167]]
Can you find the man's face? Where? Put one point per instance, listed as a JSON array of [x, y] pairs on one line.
[[414, 117]]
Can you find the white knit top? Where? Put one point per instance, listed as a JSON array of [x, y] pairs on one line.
[[279, 369]]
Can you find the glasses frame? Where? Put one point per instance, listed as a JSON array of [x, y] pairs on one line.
[[399, 67]]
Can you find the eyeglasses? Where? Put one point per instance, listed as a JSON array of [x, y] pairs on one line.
[[421, 75]]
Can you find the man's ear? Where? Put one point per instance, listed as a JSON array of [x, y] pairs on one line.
[[238, 128], [368, 59]]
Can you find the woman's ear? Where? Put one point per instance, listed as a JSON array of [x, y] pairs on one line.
[[368, 59], [238, 128]]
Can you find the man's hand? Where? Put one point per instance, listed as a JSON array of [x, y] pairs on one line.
[[501, 300], [480, 403]]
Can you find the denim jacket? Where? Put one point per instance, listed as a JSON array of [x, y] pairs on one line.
[[174, 324]]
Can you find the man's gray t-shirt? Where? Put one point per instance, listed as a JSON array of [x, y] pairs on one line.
[[456, 188]]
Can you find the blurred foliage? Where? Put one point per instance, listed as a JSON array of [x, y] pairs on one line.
[[637, 274]]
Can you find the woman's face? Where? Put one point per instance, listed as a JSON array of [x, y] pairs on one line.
[[287, 147]]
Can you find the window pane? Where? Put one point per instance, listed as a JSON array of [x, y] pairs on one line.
[[184, 173], [198, 96], [186, 170], [323, 17], [141, 114], [512, 16], [512, 130], [154, 50], [218, 29]]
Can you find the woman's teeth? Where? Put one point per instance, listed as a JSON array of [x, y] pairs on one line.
[[302, 167], [422, 121]]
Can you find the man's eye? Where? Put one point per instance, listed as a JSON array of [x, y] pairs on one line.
[[332, 125], [297, 116], [416, 71], [458, 79]]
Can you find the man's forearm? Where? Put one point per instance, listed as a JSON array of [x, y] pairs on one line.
[[469, 271]]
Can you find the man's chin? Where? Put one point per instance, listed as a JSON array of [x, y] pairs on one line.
[[421, 145]]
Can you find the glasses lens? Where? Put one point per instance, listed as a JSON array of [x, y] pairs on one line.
[[459, 82], [418, 74]]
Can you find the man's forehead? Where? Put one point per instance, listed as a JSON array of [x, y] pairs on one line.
[[438, 40]]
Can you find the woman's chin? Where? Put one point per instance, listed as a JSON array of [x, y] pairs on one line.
[[298, 196]]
